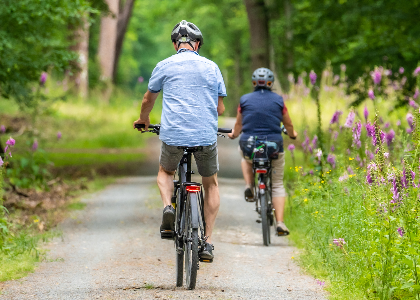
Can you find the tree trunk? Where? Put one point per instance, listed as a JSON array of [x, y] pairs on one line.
[[258, 28], [80, 39], [123, 20], [107, 41]]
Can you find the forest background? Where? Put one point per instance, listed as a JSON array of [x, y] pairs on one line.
[[72, 74]]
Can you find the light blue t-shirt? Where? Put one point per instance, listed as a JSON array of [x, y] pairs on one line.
[[191, 85]]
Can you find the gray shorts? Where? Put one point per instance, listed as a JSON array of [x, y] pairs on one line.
[[206, 159]]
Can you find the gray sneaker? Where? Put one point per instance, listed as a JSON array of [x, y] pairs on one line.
[[282, 230], [206, 253], [168, 223], [249, 195]]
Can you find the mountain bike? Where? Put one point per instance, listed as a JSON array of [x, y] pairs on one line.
[[261, 165], [190, 225]]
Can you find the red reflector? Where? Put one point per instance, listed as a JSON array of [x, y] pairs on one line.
[[262, 186], [193, 188], [261, 82], [262, 171]]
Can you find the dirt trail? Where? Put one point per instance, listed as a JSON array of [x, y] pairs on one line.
[[112, 250]]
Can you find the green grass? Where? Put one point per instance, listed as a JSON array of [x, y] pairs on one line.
[[18, 266], [86, 159]]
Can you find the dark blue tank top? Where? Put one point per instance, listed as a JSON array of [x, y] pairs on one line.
[[262, 113]]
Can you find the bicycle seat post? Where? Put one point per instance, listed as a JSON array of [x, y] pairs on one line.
[[187, 155]]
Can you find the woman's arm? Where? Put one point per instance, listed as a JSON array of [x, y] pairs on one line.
[[287, 122]]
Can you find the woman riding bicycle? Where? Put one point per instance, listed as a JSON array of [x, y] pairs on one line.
[[259, 116]]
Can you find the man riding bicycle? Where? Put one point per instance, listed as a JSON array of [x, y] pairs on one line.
[[259, 116], [193, 92]]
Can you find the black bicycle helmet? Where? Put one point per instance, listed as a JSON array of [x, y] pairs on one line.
[[185, 32], [263, 77]]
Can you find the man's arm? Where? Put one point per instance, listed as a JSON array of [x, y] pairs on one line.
[[147, 104], [237, 129], [287, 122], [220, 106]]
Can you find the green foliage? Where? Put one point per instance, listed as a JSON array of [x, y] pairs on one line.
[[370, 203], [30, 171], [33, 38], [360, 34]]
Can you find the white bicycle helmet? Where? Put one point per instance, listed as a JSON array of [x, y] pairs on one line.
[[263, 77], [185, 32]]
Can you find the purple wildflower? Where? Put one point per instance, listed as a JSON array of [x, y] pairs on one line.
[[369, 154], [416, 93], [395, 192], [314, 141], [2, 129], [398, 123], [357, 132], [59, 135], [366, 113], [291, 148], [336, 117], [339, 242], [390, 137], [400, 231], [416, 71], [350, 170], [1, 162], [312, 77], [376, 76], [321, 283], [335, 135], [343, 67], [413, 104], [311, 172], [350, 119], [35, 145], [140, 79], [409, 119], [371, 94], [10, 142], [403, 80], [319, 154], [331, 159], [43, 78], [332, 148], [386, 154], [401, 70], [348, 151]]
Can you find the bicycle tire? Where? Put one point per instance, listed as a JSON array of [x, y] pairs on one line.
[[191, 244], [179, 257], [264, 219]]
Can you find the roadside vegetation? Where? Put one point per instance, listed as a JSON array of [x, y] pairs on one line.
[[354, 201]]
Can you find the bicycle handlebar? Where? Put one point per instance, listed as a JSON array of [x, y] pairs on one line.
[[285, 132], [221, 130]]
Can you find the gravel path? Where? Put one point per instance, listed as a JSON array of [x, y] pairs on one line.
[[112, 250]]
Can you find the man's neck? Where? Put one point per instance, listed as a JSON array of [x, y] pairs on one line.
[[185, 46]]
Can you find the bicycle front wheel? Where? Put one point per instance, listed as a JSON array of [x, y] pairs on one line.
[[191, 244], [265, 221]]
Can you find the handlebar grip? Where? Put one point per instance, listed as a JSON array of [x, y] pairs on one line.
[[224, 130], [142, 126]]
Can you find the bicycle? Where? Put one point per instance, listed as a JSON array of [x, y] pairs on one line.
[[261, 165], [189, 235]]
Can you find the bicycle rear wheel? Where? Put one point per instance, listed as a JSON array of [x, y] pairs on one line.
[[191, 244], [265, 221]]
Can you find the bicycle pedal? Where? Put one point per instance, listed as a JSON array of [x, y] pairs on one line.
[[258, 221], [206, 260], [167, 234], [282, 233]]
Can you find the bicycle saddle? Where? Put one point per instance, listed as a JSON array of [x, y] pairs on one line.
[[191, 149]]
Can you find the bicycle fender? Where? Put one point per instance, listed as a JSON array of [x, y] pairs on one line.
[[194, 210]]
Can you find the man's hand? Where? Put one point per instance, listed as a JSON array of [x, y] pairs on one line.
[[146, 123], [232, 135]]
